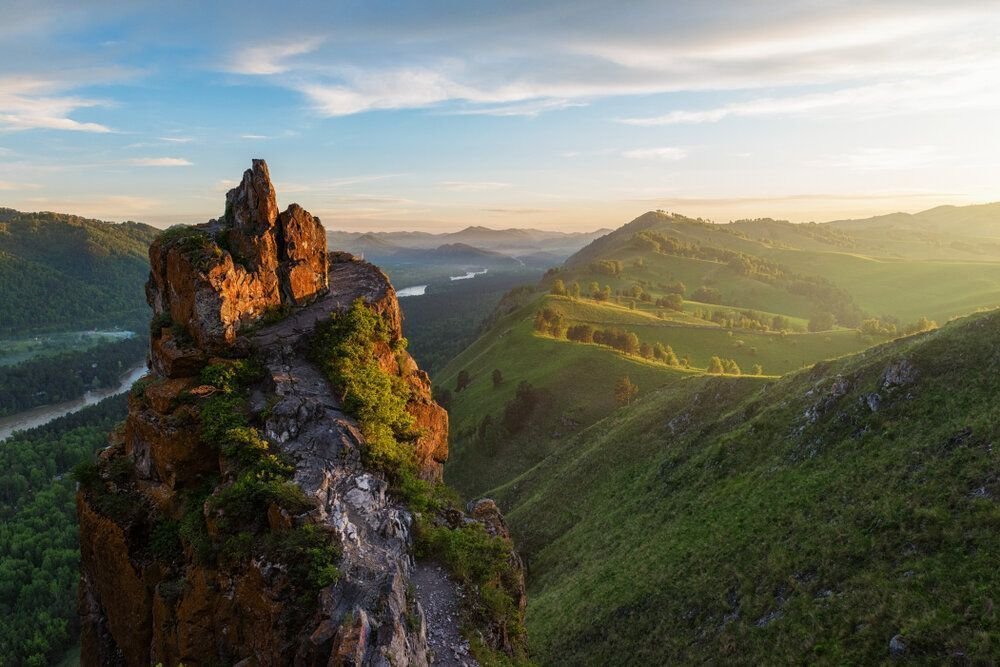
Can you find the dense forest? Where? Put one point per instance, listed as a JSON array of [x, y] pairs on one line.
[[62, 271], [68, 375], [445, 320], [39, 552]]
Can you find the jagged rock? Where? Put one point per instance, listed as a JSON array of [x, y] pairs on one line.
[[486, 512], [303, 269], [840, 387], [213, 280], [252, 211], [171, 360]]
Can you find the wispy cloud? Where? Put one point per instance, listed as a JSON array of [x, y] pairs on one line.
[[271, 58], [472, 186], [531, 108], [663, 153], [956, 91], [160, 162], [177, 140], [28, 103], [456, 62]]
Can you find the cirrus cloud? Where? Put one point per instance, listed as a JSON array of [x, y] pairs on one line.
[[160, 162]]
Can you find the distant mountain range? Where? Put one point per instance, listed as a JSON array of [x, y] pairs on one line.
[[531, 245]]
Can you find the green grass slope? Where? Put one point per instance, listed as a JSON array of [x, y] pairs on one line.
[[575, 381], [940, 263], [810, 520], [66, 272], [576, 385]]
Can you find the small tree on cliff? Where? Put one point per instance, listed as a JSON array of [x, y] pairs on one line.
[[559, 287], [625, 391], [497, 378], [463, 380]]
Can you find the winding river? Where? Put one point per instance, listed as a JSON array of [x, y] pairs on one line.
[[43, 415]]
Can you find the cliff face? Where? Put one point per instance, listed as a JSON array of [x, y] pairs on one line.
[[190, 553]]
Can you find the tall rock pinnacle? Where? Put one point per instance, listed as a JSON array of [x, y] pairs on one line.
[[251, 212], [213, 279]]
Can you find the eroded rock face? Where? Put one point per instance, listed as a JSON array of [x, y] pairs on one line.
[[138, 609], [214, 279]]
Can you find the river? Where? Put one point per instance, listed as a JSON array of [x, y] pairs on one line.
[[43, 415], [469, 275], [417, 290]]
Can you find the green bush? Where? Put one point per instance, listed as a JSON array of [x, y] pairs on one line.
[[165, 540], [310, 555], [484, 564], [343, 346]]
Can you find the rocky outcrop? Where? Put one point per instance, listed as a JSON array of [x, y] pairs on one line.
[[255, 284], [209, 281]]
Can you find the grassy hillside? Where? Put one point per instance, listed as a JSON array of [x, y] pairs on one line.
[[937, 264], [61, 272], [575, 385], [812, 519]]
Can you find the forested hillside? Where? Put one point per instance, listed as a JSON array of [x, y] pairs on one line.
[[39, 549], [60, 272]]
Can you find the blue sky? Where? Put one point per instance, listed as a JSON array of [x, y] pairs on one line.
[[562, 115]]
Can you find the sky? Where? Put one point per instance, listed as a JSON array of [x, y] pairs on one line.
[[556, 115]]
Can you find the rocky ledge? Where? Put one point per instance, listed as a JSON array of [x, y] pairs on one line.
[[254, 285]]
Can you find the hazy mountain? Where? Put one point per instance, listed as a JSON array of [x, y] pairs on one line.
[[513, 242]]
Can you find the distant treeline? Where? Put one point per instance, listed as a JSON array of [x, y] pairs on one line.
[[68, 375]]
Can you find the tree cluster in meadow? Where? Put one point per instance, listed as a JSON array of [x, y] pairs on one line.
[[551, 322]]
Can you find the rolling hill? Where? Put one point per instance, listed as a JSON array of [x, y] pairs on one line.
[[841, 515], [60, 272], [742, 518]]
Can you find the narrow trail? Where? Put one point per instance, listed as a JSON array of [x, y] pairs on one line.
[[375, 531], [441, 601]]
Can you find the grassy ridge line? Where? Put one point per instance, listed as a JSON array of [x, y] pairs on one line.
[[715, 520]]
